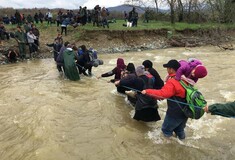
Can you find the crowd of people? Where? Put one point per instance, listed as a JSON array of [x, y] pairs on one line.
[[97, 16], [28, 34], [72, 60], [144, 80], [144, 86], [148, 87]]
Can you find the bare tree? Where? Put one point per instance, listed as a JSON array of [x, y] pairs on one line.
[[172, 8], [156, 4], [194, 10], [181, 11]]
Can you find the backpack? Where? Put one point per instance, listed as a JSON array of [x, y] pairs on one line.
[[150, 81], [195, 101], [91, 56]]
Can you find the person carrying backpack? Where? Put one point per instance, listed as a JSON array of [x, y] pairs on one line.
[[175, 119], [84, 61], [158, 83]]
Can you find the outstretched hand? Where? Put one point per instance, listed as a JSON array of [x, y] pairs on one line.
[[116, 83], [143, 92], [206, 109]]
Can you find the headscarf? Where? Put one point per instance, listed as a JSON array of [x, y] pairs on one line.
[[130, 68], [120, 67], [120, 64]]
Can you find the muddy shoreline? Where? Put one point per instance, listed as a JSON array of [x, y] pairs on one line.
[[108, 41], [119, 41]]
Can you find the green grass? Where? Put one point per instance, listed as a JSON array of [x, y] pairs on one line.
[[52, 31], [160, 25], [151, 25]]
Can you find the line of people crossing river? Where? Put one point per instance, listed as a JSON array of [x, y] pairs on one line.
[[144, 86]]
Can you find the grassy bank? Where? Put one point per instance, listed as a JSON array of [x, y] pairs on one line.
[[162, 25], [150, 35], [151, 25]]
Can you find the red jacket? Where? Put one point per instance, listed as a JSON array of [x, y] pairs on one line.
[[170, 89], [175, 94]]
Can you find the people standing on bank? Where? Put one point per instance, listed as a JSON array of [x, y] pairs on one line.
[[21, 39], [96, 15], [18, 18], [49, 17], [32, 47], [36, 18], [27, 27], [70, 69], [104, 16], [64, 25], [175, 119], [133, 17], [41, 17], [147, 15], [37, 34], [59, 18], [125, 16]]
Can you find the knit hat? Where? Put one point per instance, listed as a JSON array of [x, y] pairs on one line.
[[148, 64], [140, 70], [200, 71], [172, 64]]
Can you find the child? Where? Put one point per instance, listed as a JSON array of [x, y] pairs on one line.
[[191, 71]]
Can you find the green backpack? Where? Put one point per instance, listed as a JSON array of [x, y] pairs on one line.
[[195, 101]]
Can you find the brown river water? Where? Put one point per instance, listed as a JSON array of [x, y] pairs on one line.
[[46, 117]]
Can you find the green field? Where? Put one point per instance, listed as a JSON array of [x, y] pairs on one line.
[[151, 25]]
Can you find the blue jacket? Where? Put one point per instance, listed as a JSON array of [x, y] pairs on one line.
[[65, 22]]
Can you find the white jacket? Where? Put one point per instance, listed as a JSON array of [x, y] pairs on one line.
[[31, 37]]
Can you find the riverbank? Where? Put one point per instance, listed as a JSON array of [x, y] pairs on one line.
[[113, 41], [119, 41]]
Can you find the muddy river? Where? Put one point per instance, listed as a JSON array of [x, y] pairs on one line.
[[46, 117]]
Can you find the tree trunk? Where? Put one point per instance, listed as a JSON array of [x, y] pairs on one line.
[[181, 11], [172, 11], [156, 3]]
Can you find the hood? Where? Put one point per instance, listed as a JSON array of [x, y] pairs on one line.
[[69, 51]]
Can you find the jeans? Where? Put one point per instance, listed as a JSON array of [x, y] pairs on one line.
[[64, 29], [171, 125]]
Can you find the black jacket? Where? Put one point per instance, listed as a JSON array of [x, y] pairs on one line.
[[158, 81]]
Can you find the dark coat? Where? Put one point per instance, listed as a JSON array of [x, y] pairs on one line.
[[146, 106], [158, 84], [225, 110]]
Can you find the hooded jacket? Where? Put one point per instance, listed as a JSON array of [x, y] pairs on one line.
[[186, 68]]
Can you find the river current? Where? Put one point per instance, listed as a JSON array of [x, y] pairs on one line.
[[46, 117]]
